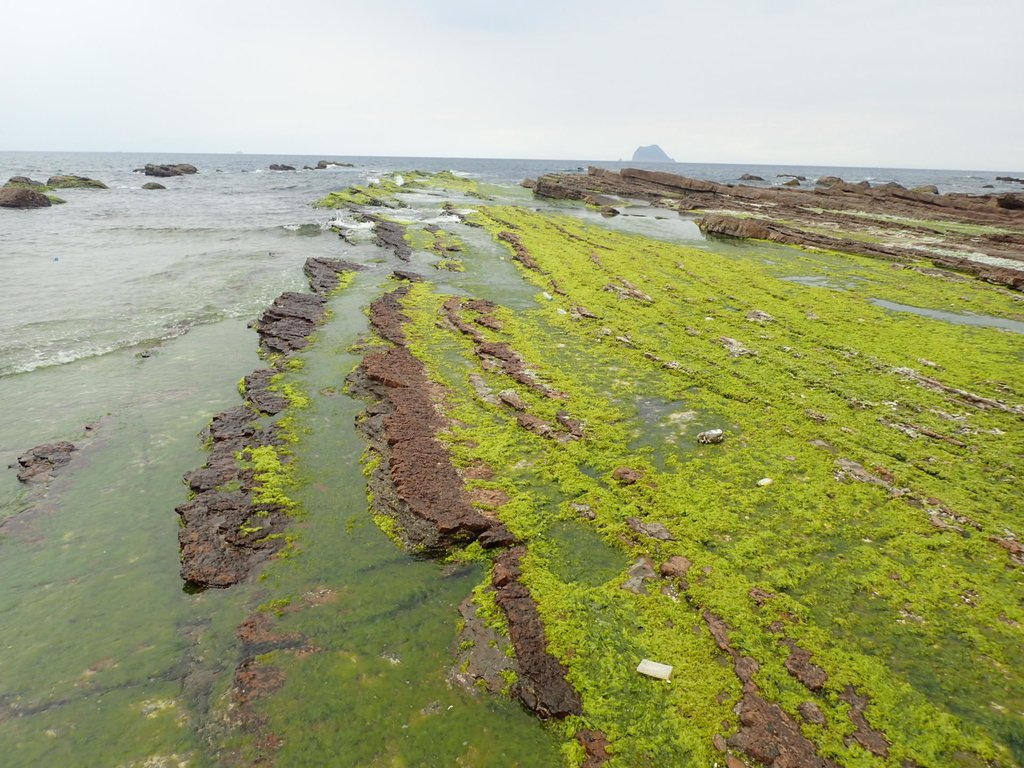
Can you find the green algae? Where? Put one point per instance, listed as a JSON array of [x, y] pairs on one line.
[[842, 391]]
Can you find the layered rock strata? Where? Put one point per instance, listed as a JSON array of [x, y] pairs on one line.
[[414, 482]]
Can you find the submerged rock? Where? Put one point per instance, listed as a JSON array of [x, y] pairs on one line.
[[281, 167], [153, 185], [40, 462]]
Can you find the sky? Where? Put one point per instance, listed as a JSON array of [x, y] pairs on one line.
[[893, 83]]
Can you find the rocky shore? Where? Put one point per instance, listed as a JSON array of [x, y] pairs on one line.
[[981, 235]]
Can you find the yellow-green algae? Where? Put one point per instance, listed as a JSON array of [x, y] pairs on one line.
[[924, 620]]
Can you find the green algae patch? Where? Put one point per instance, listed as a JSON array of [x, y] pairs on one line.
[[862, 495]]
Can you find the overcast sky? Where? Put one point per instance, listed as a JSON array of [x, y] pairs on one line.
[[892, 83]]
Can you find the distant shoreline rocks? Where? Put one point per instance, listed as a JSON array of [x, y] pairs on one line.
[[281, 167], [167, 170], [324, 164]]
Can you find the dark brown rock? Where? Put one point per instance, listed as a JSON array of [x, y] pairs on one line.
[[872, 740], [812, 713], [166, 170], [324, 273], [676, 567], [595, 746], [415, 482], [541, 686], [281, 167], [19, 197], [153, 185], [800, 666], [285, 325], [627, 475], [257, 392], [767, 732], [39, 463]]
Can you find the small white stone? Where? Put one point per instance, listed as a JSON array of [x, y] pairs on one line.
[[655, 669], [764, 481]]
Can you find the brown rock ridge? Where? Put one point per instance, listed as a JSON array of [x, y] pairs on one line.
[[804, 217], [767, 732], [225, 534], [541, 686], [415, 482]]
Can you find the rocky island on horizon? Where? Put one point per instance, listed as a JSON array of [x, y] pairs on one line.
[[651, 154]]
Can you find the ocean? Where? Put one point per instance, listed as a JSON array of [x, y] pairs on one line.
[[124, 327]]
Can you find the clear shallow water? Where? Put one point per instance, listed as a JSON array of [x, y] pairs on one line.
[[105, 661], [957, 318]]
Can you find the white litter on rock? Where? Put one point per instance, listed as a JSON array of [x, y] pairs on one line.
[[655, 669], [765, 481]]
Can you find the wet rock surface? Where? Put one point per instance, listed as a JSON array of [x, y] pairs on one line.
[[324, 274], [284, 327], [480, 658], [415, 482], [225, 534], [541, 686], [38, 464], [767, 732]]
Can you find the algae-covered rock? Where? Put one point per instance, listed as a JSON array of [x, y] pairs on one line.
[[25, 182], [74, 182]]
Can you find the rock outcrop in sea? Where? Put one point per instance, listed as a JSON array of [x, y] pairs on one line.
[[651, 154]]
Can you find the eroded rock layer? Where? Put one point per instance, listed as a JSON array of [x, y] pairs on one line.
[[415, 482]]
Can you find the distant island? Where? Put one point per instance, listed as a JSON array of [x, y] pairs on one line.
[[651, 154]]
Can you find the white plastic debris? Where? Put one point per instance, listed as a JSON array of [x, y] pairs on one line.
[[765, 481], [655, 669]]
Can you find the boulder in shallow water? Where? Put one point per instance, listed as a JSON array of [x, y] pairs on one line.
[[828, 181], [750, 177], [40, 462], [927, 189], [281, 167], [19, 197], [164, 171], [153, 185]]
